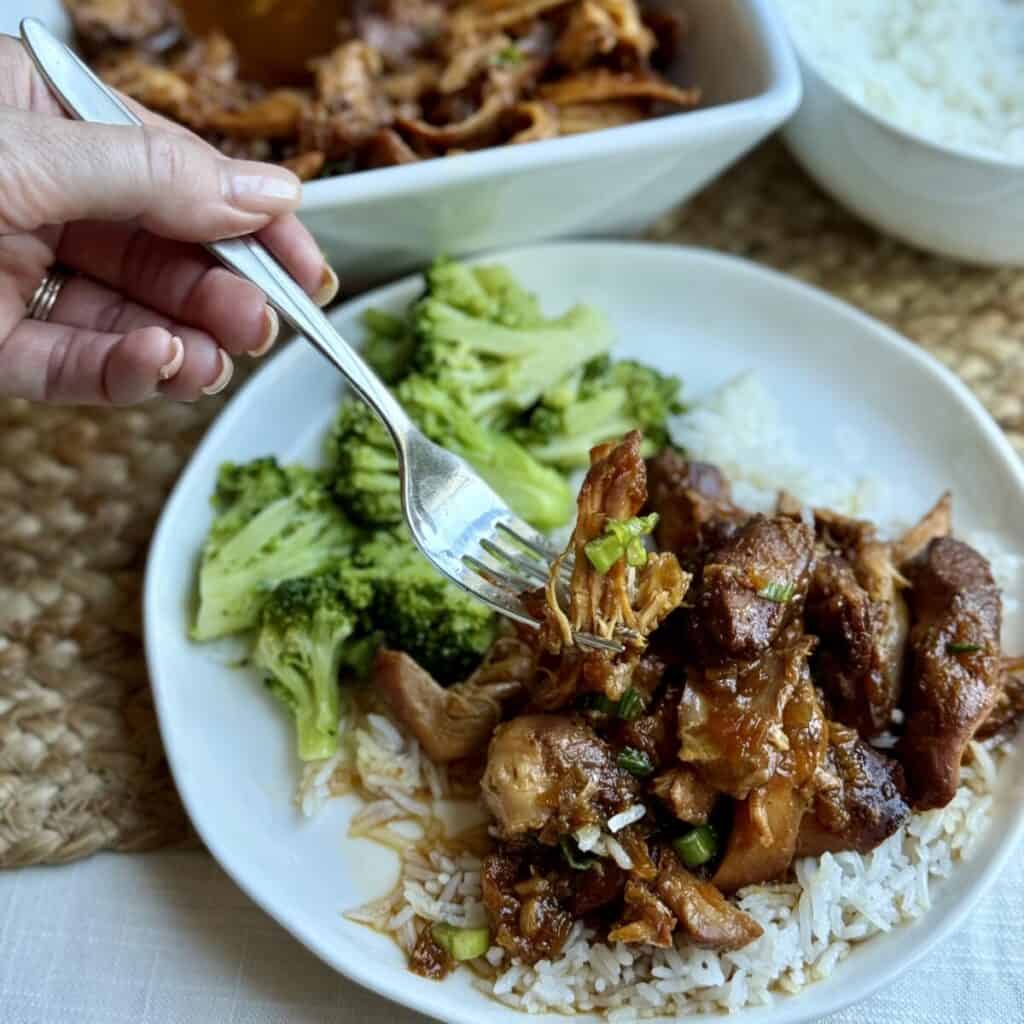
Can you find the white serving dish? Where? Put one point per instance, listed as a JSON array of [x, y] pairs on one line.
[[837, 374], [618, 181], [955, 202]]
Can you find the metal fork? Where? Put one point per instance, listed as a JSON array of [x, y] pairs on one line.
[[463, 527]]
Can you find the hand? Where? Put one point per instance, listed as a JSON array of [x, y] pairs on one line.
[[147, 310]]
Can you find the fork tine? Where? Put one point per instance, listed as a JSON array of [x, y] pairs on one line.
[[505, 580], [528, 538], [531, 569], [540, 547], [515, 585], [598, 643]]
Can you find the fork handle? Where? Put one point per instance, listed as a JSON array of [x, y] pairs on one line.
[[85, 97], [251, 260]]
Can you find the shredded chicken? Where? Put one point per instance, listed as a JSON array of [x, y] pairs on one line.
[[403, 80], [107, 22], [625, 604], [706, 917], [936, 522], [599, 84], [458, 721]]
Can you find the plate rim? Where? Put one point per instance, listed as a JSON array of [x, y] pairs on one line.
[[789, 1011]]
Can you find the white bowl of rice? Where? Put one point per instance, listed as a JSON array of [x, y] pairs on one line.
[[913, 117]]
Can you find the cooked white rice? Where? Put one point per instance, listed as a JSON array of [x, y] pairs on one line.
[[949, 70], [810, 923]]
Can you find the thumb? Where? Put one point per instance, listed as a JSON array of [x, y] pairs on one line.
[[57, 171]]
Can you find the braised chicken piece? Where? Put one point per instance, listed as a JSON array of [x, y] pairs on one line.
[[454, 722], [856, 608], [706, 918], [766, 825], [751, 588], [549, 775], [397, 29], [351, 108], [429, 959], [936, 522], [103, 23], [693, 501], [655, 732], [731, 719], [860, 799], [1009, 705], [685, 794], [956, 669], [599, 886], [646, 920], [529, 920], [626, 603]]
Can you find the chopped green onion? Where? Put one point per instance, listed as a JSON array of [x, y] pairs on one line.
[[634, 761], [461, 943], [697, 846], [622, 538], [958, 648], [510, 54], [631, 705], [780, 593], [573, 857], [603, 552], [636, 553], [597, 702]]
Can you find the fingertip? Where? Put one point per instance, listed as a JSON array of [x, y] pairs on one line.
[[135, 365], [329, 285], [173, 365], [290, 241], [201, 365], [224, 375], [254, 187], [271, 329]]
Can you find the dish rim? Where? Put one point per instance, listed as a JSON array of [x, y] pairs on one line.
[[362, 971]]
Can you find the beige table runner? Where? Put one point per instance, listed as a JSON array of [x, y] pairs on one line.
[[81, 767]]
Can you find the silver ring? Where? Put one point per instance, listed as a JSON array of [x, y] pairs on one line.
[[40, 306]]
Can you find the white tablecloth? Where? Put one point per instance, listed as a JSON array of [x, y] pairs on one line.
[[168, 939]]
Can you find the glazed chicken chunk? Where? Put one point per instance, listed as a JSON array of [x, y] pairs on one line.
[[549, 775], [751, 588], [956, 671]]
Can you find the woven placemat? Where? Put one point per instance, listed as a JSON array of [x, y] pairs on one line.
[[81, 767]]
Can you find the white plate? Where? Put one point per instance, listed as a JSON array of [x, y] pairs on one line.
[[701, 315]]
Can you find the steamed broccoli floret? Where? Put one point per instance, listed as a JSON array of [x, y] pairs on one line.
[[416, 610], [273, 523], [389, 344], [536, 492], [305, 628], [495, 370], [245, 488], [490, 292], [364, 467], [606, 401]]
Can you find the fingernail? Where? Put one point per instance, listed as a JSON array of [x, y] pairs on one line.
[[260, 188], [173, 365], [271, 325], [227, 368], [328, 287]]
